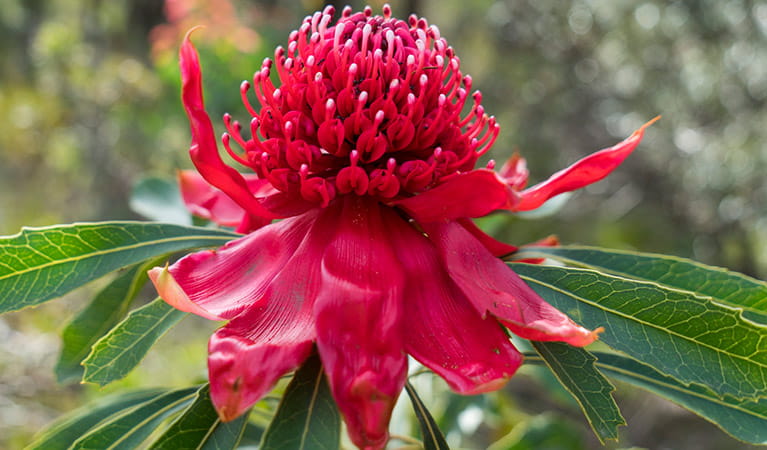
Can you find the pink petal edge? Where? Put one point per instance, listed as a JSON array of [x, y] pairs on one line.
[[493, 287], [442, 329], [586, 171]]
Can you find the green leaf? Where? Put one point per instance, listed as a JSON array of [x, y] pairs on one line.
[[743, 419], [432, 436], [159, 199], [199, 427], [307, 417], [574, 367], [129, 429], [723, 286], [117, 353], [108, 307], [62, 433], [40, 264], [683, 335]]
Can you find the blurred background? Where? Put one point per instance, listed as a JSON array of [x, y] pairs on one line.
[[89, 96]]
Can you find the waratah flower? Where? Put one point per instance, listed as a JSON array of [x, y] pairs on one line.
[[363, 151]]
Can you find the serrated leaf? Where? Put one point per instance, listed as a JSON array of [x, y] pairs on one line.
[[574, 368], [40, 264], [432, 436], [65, 431], [199, 427], [108, 307], [117, 353], [743, 419], [724, 286], [307, 417], [686, 336], [129, 429], [159, 199]]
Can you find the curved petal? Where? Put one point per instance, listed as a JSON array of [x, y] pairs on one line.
[[495, 247], [359, 321], [584, 172], [470, 194], [442, 330], [249, 355], [204, 200], [204, 150], [492, 287], [222, 283]]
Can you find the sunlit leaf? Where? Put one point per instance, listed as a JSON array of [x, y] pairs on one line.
[[432, 436], [199, 427], [64, 432], [129, 429], [117, 353], [678, 333], [723, 286], [39, 264], [574, 367], [108, 307], [307, 417]]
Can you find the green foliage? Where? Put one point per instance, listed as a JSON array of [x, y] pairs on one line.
[[307, 417], [574, 368], [723, 286], [199, 427], [432, 436], [65, 431], [743, 419], [108, 307], [159, 199], [117, 353], [678, 333], [40, 264], [133, 426]]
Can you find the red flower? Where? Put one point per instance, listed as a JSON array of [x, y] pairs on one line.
[[364, 154]]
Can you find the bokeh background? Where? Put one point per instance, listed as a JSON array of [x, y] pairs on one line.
[[89, 101]]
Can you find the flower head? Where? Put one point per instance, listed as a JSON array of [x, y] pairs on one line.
[[364, 153]]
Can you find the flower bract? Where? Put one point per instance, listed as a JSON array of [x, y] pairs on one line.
[[366, 151]]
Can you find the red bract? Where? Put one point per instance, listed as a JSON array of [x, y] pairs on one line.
[[362, 150]]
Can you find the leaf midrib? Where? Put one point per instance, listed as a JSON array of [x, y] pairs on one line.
[[113, 250], [635, 319]]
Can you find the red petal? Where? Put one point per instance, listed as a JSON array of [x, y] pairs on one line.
[[222, 283], [359, 315], [584, 172], [492, 287], [470, 194], [273, 336], [442, 330], [204, 150], [495, 247]]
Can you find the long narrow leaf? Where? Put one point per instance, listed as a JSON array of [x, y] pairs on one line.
[[726, 287], [64, 432], [129, 429], [742, 419], [307, 417], [686, 336], [40, 264], [117, 353], [432, 436], [574, 367], [199, 427], [108, 307]]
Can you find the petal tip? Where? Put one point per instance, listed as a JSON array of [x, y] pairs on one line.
[[169, 290]]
